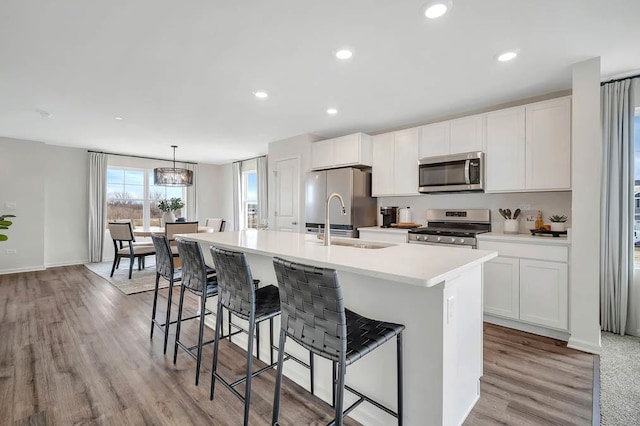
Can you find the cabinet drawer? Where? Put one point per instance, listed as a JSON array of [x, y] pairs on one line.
[[397, 237], [530, 251]]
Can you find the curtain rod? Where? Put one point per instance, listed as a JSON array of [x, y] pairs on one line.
[[619, 79], [140, 156], [248, 159]]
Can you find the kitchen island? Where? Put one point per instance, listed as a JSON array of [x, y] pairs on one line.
[[436, 292]]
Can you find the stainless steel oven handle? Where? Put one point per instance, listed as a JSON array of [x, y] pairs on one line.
[[467, 174]]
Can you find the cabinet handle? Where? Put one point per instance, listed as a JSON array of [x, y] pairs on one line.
[[294, 223]]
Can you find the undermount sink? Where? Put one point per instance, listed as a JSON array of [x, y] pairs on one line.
[[358, 244]]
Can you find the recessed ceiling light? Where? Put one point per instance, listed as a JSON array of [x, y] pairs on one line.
[[43, 113], [344, 54], [119, 118], [507, 56], [332, 111], [261, 94], [436, 9]]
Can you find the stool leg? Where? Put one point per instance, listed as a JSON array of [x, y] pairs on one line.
[[216, 342], [203, 301], [311, 375], [276, 397], [247, 393], [155, 303], [258, 341], [340, 393], [271, 341], [167, 322], [175, 349], [333, 382], [229, 327], [400, 381]]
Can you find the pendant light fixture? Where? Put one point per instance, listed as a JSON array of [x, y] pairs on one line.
[[172, 176]]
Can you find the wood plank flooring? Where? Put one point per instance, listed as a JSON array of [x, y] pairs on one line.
[[73, 349]]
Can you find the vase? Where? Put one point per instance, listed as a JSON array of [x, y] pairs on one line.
[[168, 217], [557, 226]]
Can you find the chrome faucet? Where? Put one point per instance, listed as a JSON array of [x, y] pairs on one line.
[[327, 231]]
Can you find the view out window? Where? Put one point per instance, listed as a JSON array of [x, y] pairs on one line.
[[250, 199], [131, 194]]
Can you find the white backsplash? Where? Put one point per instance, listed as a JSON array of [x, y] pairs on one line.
[[549, 203]]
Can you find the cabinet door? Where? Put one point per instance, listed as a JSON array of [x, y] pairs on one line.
[[383, 237], [346, 150], [543, 293], [549, 145], [505, 156], [406, 162], [502, 287], [467, 134], [434, 140], [382, 170], [322, 154]]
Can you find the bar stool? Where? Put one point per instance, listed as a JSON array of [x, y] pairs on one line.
[[239, 296], [195, 280], [313, 315]]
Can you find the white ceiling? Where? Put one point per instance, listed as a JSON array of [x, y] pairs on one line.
[[183, 72]]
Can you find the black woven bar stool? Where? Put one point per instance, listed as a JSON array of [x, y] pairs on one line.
[[238, 294], [195, 280], [313, 315]]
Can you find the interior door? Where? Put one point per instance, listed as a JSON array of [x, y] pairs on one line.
[[287, 175]]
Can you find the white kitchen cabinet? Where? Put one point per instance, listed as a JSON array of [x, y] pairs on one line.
[[452, 137], [505, 156], [544, 293], [528, 148], [395, 163], [548, 147], [349, 150], [502, 287], [527, 284], [384, 235]]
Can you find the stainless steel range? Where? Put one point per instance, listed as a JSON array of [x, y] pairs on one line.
[[452, 228]]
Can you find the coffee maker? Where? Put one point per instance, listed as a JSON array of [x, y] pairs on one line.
[[389, 216]]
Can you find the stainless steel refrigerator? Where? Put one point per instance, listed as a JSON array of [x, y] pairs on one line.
[[355, 187]]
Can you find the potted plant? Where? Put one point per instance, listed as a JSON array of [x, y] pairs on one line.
[[5, 224], [558, 222], [168, 207]]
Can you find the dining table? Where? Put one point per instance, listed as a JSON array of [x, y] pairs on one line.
[[141, 232]]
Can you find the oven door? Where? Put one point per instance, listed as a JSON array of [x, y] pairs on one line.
[[451, 173]]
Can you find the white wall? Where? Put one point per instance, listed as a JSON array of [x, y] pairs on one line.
[[215, 193], [548, 202], [586, 149], [297, 146]]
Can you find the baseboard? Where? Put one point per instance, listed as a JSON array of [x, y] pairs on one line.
[[68, 263], [584, 346], [25, 269], [529, 328]]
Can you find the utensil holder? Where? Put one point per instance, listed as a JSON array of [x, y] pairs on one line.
[[511, 226]]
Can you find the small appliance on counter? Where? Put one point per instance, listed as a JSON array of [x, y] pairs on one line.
[[389, 216], [404, 215]]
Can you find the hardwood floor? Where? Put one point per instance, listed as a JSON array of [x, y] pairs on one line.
[[73, 349]]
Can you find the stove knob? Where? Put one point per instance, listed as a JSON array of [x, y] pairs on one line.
[[418, 237], [453, 240], [438, 239], [461, 241]]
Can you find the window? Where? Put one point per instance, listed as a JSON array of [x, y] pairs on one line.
[[131, 194], [636, 226], [249, 199]]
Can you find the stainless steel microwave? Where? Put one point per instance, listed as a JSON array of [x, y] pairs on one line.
[[452, 173]]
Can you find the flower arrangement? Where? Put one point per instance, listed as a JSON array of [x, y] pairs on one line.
[[170, 205], [556, 218], [5, 224]]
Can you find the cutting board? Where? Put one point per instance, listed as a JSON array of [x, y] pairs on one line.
[[405, 225]]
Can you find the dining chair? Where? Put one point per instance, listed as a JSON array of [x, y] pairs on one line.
[[216, 223], [123, 246]]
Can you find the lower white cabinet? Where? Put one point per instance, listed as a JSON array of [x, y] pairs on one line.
[[384, 235], [528, 289], [502, 287], [544, 293]]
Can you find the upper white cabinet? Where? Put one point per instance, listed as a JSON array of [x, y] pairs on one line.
[[529, 147], [395, 163], [349, 150], [452, 137]]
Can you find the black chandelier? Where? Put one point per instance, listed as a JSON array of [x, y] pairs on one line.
[[172, 176]]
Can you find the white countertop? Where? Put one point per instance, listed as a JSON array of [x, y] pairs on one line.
[[385, 230], [525, 238], [415, 264]]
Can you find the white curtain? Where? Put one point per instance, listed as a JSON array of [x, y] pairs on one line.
[[236, 170], [262, 191], [97, 204], [616, 231], [191, 202]]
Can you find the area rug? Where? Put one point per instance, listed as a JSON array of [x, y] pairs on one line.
[[140, 281], [620, 380]]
